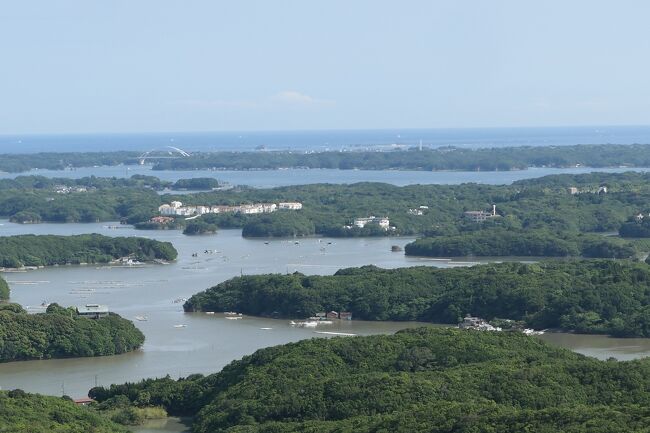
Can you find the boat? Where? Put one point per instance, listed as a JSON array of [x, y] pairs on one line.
[[179, 300], [180, 326], [266, 329], [306, 324], [233, 317], [209, 312], [141, 318], [232, 313]]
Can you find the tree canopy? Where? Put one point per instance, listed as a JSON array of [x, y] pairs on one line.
[[588, 296], [418, 380]]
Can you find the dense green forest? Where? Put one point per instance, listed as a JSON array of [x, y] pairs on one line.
[[61, 333], [438, 209], [199, 227], [636, 229], [33, 199], [32, 413], [279, 224], [48, 250], [4, 290], [585, 296], [432, 210], [16, 163], [519, 242], [444, 158], [419, 380]]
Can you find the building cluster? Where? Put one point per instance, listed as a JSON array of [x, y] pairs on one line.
[[479, 216], [63, 189], [574, 190], [477, 323], [93, 311], [161, 220], [382, 222], [176, 208], [343, 315], [418, 211]]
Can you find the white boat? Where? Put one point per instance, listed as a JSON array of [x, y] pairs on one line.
[[209, 312], [266, 329], [141, 318], [306, 324], [180, 326], [233, 317]]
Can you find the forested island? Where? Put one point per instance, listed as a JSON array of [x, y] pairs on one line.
[[62, 333], [48, 250], [442, 158], [498, 241], [419, 380], [584, 296]]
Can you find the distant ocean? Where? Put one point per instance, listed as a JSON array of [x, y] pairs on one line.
[[327, 140]]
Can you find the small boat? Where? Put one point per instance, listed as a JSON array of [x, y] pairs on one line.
[[180, 326], [306, 324], [209, 312], [233, 317], [141, 318], [266, 329]]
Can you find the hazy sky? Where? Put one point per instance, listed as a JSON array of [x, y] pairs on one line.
[[162, 65]]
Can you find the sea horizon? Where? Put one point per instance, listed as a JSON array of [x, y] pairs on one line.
[[326, 140]]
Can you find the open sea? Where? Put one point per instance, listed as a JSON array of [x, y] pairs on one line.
[[328, 140]]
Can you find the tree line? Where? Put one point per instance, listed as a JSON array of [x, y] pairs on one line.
[[419, 380], [443, 158], [499, 241], [47, 250]]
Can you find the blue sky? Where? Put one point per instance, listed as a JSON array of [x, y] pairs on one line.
[[162, 65]]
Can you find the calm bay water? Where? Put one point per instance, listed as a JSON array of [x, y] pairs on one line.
[[274, 178], [208, 342]]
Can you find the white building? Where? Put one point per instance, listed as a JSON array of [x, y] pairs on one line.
[[290, 205], [362, 222], [166, 210]]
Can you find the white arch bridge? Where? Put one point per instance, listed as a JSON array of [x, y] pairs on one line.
[[163, 153]]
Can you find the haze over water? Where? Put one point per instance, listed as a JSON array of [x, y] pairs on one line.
[[327, 140]]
